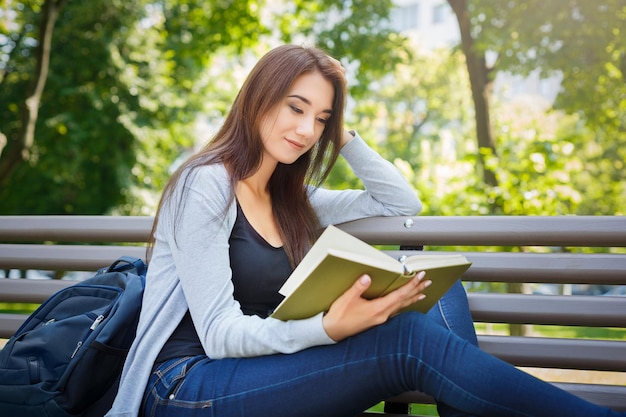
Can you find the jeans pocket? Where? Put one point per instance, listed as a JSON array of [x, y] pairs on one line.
[[170, 373], [164, 386]]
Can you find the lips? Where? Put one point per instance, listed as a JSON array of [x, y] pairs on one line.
[[296, 145]]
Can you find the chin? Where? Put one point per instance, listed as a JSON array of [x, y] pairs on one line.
[[289, 160]]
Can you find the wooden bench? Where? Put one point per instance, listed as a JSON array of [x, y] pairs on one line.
[[503, 249]]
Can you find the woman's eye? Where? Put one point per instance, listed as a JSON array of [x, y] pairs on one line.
[[322, 120], [295, 108]]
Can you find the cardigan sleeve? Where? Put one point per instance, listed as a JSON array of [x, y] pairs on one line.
[[386, 193]]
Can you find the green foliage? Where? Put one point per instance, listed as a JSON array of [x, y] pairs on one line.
[[549, 161], [415, 409], [538, 162], [565, 332], [356, 32], [133, 85], [584, 43], [68, 165], [18, 308], [128, 80], [419, 118], [121, 100]]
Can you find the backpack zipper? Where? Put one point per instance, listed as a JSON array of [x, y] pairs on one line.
[[96, 322], [93, 326]]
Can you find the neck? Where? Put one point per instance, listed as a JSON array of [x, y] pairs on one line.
[[258, 182]]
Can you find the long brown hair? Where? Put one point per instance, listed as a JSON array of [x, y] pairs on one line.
[[239, 147]]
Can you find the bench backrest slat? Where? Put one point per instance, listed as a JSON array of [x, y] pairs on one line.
[[590, 231], [585, 354], [64, 257], [75, 228], [609, 269], [565, 310], [432, 230], [567, 268], [30, 290], [9, 323]]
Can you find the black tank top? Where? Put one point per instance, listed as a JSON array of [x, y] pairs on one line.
[[258, 271]]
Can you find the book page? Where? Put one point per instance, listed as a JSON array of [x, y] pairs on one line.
[[385, 262], [417, 263]]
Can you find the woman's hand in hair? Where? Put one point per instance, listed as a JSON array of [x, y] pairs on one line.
[[347, 136], [338, 64], [351, 313]]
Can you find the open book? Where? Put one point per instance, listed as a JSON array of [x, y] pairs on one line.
[[338, 259]]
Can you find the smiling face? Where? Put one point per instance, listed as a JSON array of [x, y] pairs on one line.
[[295, 125]]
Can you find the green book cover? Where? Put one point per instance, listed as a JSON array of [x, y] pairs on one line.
[[337, 259]]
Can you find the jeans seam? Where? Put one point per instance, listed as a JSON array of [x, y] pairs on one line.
[[161, 372], [443, 315]]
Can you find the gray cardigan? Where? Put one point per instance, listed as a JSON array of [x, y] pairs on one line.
[[192, 270]]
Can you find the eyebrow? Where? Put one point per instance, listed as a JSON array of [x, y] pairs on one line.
[[307, 101]]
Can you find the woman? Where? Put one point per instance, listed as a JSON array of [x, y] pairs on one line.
[[231, 225]]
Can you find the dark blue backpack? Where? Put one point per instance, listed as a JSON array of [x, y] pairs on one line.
[[67, 357]]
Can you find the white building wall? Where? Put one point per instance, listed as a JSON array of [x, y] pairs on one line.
[[432, 24]]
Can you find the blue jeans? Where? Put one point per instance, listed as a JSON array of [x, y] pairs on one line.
[[412, 351], [452, 312]]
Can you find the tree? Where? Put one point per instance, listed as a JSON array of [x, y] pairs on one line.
[[123, 76], [584, 42], [19, 147], [579, 39], [481, 82]]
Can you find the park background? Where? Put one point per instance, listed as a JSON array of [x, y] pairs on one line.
[[487, 107]]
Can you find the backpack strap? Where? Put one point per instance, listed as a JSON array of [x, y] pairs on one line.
[[124, 263]]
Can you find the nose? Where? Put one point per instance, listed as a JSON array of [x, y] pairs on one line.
[[306, 127]]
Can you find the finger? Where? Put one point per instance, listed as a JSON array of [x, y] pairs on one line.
[[424, 284], [415, 284], [420, 275], [359, 286], [412, 298], [412, 292], [421, 283]]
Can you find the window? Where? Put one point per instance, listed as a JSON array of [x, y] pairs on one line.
[[440, 13], [405, 17]]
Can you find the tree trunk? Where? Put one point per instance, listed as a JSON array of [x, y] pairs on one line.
[[481, 85], [17, 150]]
